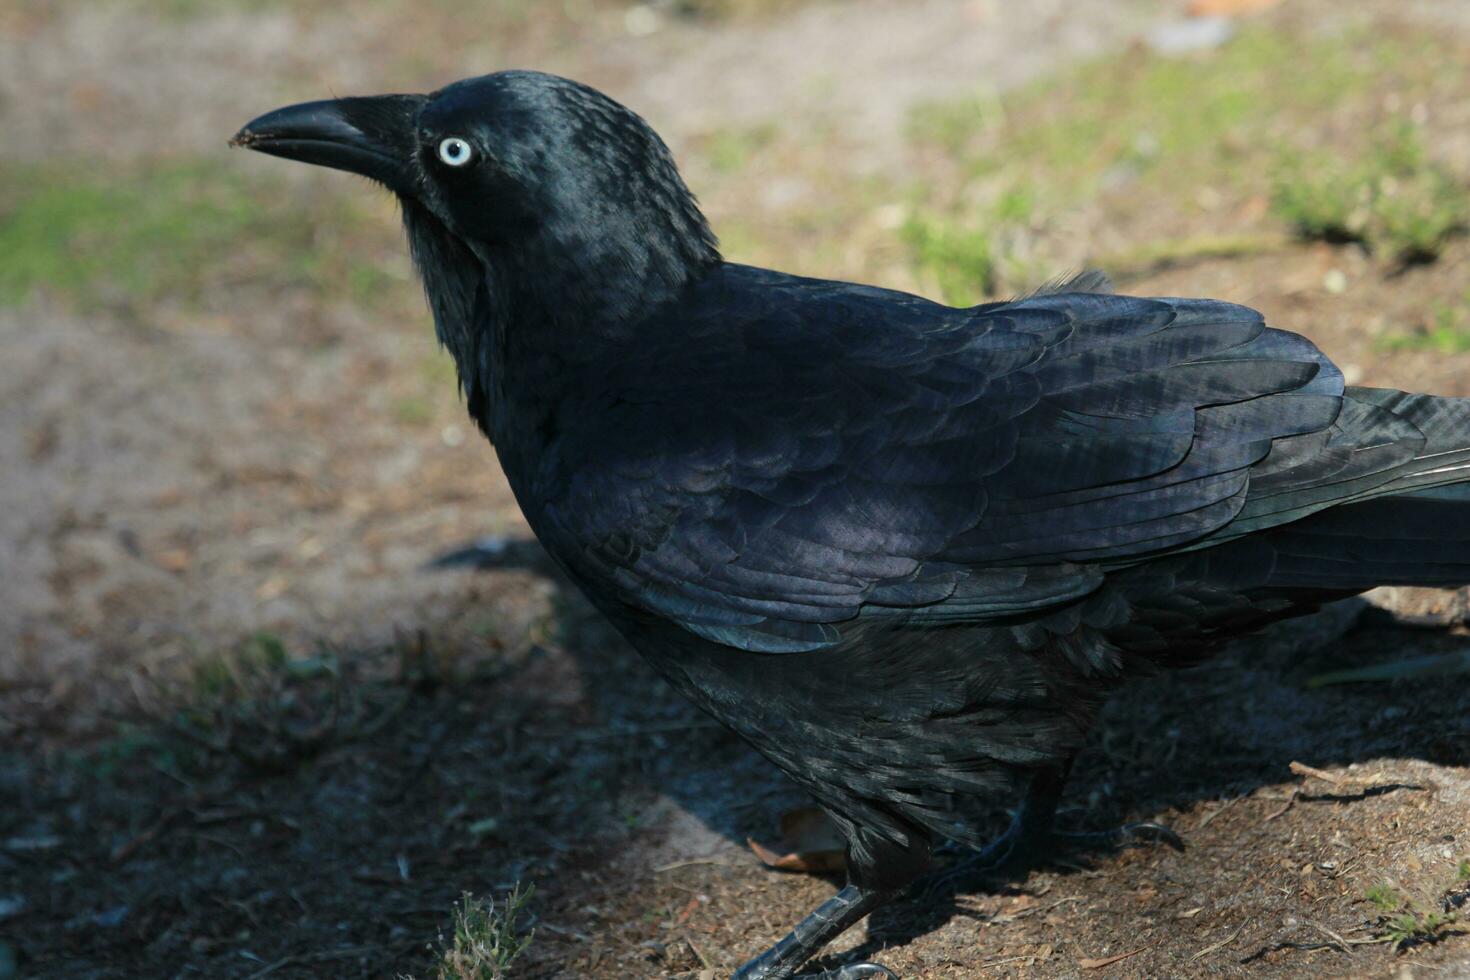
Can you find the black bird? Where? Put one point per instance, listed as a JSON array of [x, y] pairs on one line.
[[905, 550]]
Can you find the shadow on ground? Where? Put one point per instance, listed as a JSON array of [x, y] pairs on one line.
[[1182, 746], [572, 767]]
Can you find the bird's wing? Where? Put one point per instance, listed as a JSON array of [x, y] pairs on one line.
[[842, 453]]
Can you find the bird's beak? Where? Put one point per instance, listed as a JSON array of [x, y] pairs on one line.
[[371, 136]]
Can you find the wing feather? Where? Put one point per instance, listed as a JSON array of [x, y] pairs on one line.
[[790, 456]]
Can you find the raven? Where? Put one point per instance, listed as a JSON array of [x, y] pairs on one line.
[[903, 549]]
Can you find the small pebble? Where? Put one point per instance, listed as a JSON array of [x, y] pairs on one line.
[[640, 20]]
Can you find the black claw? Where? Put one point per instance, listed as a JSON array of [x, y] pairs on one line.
[[852, 971], [1015, 852], [1128, 835], [830, 919], [1148, 832]]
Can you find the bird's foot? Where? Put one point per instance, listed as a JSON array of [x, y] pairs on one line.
[[852, 971], [1021, 848], [849, 971], [782, 960], [1139, 834]]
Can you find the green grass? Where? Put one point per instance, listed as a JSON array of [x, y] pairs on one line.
[[487, 937], [181, 232], [82, 236], [960, 259], [1391, 198], [951, 125], [729, 150], [971, 259], [1140, 127], [1383, 897], [1404, 922], [268, 709], [1144, 113], [1448, 331], [1415, 926]]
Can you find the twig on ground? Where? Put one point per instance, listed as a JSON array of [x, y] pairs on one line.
[[1091, 964], [1341, 942], [1290, 802], [1034, 910], [1336, 779], [1216, 947], [674, 865], [1205, 820], [703, 957]]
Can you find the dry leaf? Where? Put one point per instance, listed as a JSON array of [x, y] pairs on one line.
[[809, 843]]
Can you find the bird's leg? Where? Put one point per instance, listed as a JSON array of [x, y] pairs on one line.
[[1042, 798], [815, 931], [1032, 836]]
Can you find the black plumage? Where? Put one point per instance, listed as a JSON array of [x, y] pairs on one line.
[[905, 550]]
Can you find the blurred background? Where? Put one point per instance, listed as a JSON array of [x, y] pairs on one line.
[[244, 731]]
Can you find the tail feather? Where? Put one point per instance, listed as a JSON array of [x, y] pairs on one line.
[[1384, 443], [1416, 538], [1445, 456]]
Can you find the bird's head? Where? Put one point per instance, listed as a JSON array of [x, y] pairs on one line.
[[566, 202]]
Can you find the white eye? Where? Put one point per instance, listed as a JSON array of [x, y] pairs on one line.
[[455, 151]]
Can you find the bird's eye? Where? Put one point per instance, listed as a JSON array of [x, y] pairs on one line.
[[455, 151]]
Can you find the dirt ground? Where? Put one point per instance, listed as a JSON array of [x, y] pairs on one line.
[[245, 732]]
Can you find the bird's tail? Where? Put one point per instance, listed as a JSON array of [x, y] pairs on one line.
[[1412, 528], [1417, 538]]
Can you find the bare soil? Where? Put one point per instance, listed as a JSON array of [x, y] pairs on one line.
[[176, 482]]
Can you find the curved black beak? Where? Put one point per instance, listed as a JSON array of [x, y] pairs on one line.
[[372, 136]]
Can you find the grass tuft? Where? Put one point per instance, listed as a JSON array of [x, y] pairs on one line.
[[1404, 922], [1383, 897], [1448, 332], [1413, 926], [1392, 200], [960, 260], [487, 938]]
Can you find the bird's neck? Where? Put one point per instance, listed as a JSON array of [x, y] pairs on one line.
[[525, 322], [565, 293]]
